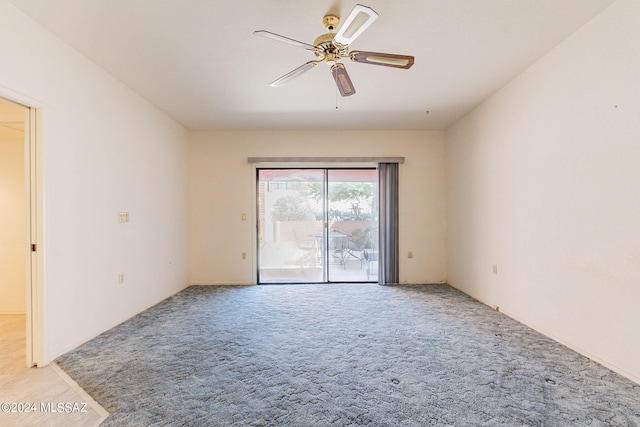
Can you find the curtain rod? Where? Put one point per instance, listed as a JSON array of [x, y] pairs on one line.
[[325, 159]]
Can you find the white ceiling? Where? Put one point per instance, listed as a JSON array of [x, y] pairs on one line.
[[198, 60]]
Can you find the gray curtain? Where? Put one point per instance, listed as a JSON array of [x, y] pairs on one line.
[[388, 270]]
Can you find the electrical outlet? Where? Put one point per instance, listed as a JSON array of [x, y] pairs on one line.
[[410, 254], [123, 216], [244, 255], [121, 278]]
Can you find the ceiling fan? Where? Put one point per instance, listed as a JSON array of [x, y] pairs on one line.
[[331, 48]]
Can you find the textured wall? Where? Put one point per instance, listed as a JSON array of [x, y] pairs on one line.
[[101, 149], [543, 180], [223, 187]]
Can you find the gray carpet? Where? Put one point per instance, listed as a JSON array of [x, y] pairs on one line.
[[340, 355]]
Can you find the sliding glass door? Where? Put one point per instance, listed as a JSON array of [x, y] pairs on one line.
[[352, 202], [317, 225], [290, 225]]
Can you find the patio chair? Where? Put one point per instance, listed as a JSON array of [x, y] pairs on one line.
[[370, 252]]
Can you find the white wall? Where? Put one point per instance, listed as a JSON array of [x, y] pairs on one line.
[[543, 180], [223, 187], [102, 150], [12, 228]]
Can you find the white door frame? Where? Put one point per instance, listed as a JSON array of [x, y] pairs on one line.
[[33, 311], [33, 239]]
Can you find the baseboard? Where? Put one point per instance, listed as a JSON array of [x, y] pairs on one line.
[[221, 284], [49, 358], [575, 348], [557, 339]]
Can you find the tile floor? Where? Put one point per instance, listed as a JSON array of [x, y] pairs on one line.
[[40, 390]]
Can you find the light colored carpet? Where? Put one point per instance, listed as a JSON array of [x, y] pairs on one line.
[[325, 355]]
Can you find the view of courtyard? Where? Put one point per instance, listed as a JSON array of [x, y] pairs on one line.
[[317, 225]]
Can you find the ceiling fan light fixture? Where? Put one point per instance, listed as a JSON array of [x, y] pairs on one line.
[[358, 20]]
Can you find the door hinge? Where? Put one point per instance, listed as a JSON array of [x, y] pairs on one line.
[[33, 247]]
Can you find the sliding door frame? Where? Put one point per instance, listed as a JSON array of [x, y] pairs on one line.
[[325, 247], [300, 163]]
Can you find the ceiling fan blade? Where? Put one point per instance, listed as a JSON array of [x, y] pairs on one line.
[[357, 21], [283, 39], [293, 74], [342, 79], [386, 59]]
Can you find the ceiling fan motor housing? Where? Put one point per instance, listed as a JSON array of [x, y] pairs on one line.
[[325, 41]]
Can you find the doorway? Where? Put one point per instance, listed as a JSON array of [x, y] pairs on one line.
[[317, 225], [16, 225]]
